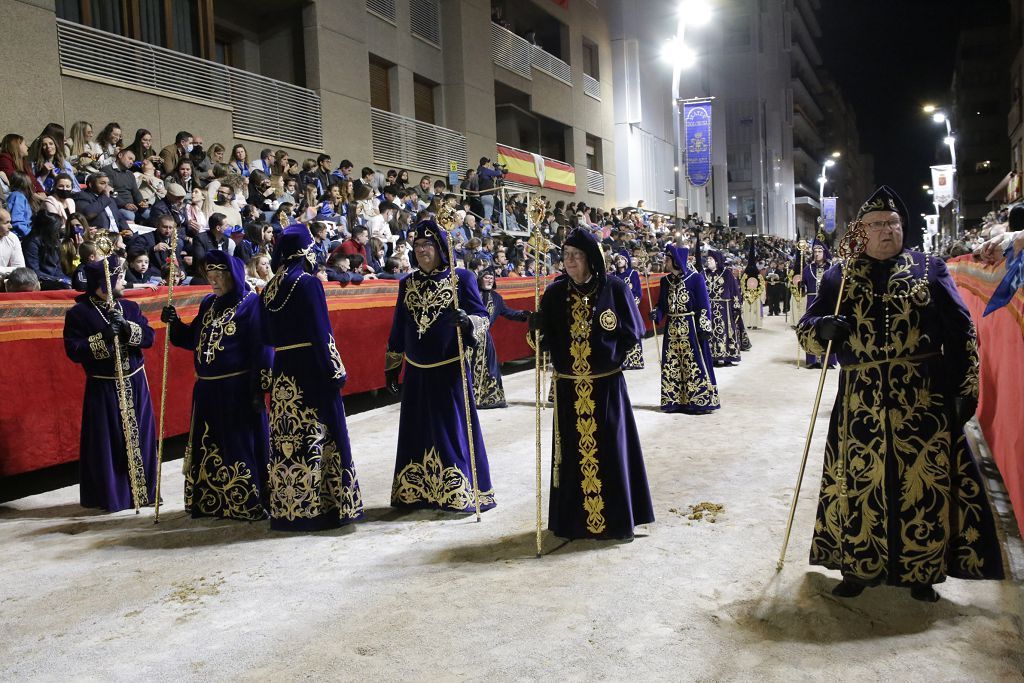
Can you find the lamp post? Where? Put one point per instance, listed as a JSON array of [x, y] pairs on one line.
[[939, 116], [681, 56], [822, 179]]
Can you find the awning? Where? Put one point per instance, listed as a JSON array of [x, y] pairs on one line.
[[999, 188]]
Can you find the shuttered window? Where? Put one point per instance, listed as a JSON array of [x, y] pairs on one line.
[[425, 20], [424, 94], [380, 86]]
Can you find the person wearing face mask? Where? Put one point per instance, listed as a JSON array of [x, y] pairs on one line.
[[59, 201], [124, 187], [91, 328], [902, 502], [224, 205], [172, 154]]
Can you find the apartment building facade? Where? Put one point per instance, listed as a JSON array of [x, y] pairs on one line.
[[423, 85]]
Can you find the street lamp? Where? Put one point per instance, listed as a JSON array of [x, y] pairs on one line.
[[691, 13], [822, 179], [939, 116]]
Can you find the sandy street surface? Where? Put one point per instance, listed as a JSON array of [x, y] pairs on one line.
[[427, 596]]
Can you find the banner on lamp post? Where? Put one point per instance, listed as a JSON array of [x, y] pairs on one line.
[[932, 224], [697, 126], [828, 213], [942, 184]]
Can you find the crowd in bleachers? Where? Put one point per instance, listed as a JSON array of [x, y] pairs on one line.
[[65, 190]]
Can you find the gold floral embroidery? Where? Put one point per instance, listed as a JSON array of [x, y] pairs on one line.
[[336, 364], [579, 348], [486, 388], [129, 418], [306, 474], [98, 346], [684, 379], [427, 299], [215, 327], [393, 360], [223, 490], [134, 334], [430, 482]]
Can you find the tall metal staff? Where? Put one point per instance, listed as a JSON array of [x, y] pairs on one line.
[[536, 215], [849, 249], [172, 276], [129, 424], [446, 219], [801, 247]]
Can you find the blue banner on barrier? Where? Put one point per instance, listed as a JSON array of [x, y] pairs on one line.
[[828, 212], [697, 122]]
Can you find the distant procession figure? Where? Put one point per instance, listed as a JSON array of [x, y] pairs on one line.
[[902, 501], [724, 293], [487, 385], [312, 482], [90, 328], [228, 447], [688, 382], [588, 323], [624, 270], [755, 291], [821, 261], [432, 465]]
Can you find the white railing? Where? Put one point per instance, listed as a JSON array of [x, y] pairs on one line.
[[595, 181], [552, 65], [518, 55], [404, 142], [425, 20], [261, 107], [385, 9], [511, 51], [591, 86]]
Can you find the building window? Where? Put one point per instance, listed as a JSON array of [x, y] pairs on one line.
[[425, 20], [591, 63], [736, 31], [223, 52], [594, 162], [182, 25], [423, 92], [380, 83]]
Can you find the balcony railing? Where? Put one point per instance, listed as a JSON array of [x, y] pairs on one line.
[[591, 87], [261, 107], [595, 181], [404, 142], [518, 55]]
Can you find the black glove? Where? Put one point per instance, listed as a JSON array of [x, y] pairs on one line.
[[533, 321], [461, 319], [834, 328], [654, 316], [391, 380], [169, 315], [966, 407], [109, 333]]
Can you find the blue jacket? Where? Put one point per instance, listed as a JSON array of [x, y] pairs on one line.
[[21, 213]]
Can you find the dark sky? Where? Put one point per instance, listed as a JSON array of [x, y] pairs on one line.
[[890, 57]]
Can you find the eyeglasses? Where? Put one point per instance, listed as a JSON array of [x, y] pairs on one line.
[[878, 226]]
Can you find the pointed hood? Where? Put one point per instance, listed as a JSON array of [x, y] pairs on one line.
[[94, 274], [221, 260], [680, 256], [293, 243], [428, 229], [886, 199], [585, 241]]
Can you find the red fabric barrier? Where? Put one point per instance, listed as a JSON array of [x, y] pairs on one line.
[[1001, 346], [40, 420]]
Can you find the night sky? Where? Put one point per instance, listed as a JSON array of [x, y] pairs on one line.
[[890, 57]]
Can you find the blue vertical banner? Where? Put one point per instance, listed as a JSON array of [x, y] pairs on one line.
[[828, 212], [697, 123]]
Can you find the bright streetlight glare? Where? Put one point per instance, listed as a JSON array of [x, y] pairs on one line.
[[928, 108], [939, 117], [695, 12], [676, 52], [925, 187], [931, 191], [830, 163], [836, 155], [949, 140]]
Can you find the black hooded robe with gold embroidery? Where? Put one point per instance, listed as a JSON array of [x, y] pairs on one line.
[[901, 499]]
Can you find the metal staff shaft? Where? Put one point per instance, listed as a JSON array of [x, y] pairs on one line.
[[136, 477], [650, 306], [538, 379], [172, 275], [454, 278], [810, 434]]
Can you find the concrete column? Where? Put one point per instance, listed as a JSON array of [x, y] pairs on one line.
[[31, 74], [403, 91], [337, 68]]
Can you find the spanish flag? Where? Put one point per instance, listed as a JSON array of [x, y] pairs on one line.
[[533, 169]]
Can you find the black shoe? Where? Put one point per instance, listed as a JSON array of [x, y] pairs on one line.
[[847, 589], [924, 593]]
